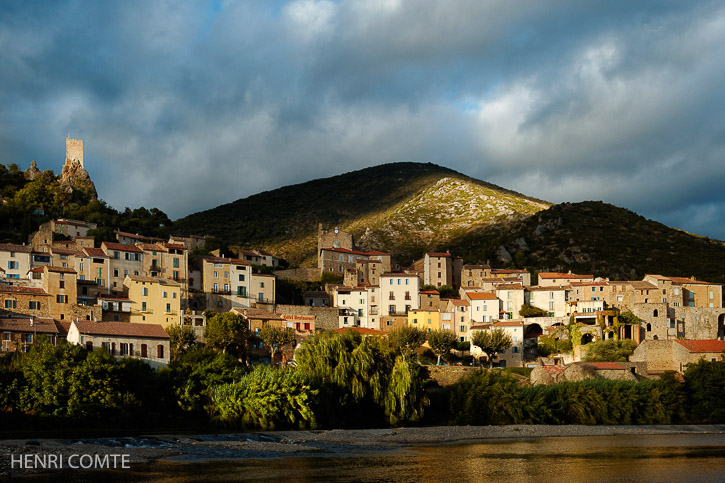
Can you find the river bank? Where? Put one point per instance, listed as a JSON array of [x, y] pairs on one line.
[[143, 450]]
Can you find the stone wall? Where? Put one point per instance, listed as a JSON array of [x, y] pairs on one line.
[[700, 322], [658, 354], [301, 274], [326, 318], [447, 375]]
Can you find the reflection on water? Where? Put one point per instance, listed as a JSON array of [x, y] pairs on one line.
[[611, 458]]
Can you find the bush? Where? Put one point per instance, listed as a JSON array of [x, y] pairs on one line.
[[610, 350]]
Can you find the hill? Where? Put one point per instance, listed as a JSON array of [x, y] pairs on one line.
[[598, 238], [404, 208]]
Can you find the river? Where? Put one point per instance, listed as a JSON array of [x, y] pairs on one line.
[[666, 458]]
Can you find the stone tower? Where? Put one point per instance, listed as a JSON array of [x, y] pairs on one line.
[[74, 151]]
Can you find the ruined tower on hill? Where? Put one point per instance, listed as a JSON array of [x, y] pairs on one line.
[[74, 177]]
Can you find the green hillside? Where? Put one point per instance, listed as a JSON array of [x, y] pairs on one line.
[[404, 208]]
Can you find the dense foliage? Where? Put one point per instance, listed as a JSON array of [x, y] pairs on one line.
[[25, 204], [492, 342], [610, 350], [441, 342]]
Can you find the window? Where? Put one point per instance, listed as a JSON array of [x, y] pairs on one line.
[[124, 349], [176, 275], [12, 265], [10, 304], [216, 274], [173, 295], [515, 350], [462, 328], [551, 305], [144, 350], [176, 263], [32, 305], [241, 277], [61, 299], [415, 321], [216, 287], [226, 287], [242, 291], [712, 295], [261, 284], [160, 351], [226, 274], [407, 280], [163, 295], [125, 273], [391, 309], [136, 256], [143, 306], [144, 291], [168, 308]]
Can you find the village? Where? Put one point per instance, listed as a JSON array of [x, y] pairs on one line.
[[123, 295]]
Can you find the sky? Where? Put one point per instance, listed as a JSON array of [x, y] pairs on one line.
[[185, 105]]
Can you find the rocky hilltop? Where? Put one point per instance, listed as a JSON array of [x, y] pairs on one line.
[[403, 208]]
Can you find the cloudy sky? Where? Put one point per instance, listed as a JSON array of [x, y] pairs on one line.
[[186, 105]]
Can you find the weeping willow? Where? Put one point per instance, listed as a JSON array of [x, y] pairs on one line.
[[361, 382], [265, 399]]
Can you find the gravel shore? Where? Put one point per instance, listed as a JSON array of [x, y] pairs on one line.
[[209, 447]]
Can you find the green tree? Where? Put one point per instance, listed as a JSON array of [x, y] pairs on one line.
[[182, 338], [406, 340], [610, 350], [227, 331], [532, 311], [276, 337], [441, 342], [491, 342]]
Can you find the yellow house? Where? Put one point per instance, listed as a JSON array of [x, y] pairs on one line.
[[426, 320], [153, 300]]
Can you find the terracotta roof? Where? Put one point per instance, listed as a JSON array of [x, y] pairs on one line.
[[95, 252], [37, 269], [589, 284], [562, 275], [361, 330], [43, 326], [481, 296], [536, 288], [2, 269], [505, 270], [475, 267], [683, 281], [398, 274], [65, 251], [67, 221], [11, 247], [25, 290], [375, 252], [155, 331], [554, 370], [711, 345], [459, 302], [113, 296], [432, 292], [637, 285], [235, 261], [265, 253], [151, 247], [438, 254], [174, 246], [51, 268], [121, 247], [509, 286], [509, 323], [130, 235]]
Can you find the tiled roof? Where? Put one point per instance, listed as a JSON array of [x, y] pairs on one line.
[[44, 326], [459, 302], [481, 296], [438, 254], [51, 268], [548, 275], [589, 284], [65, 251], [174, 246], [536, 288], [475, 267], [506, 270], [554, 370], [711, 345], [130, 235], [11, 247], [22, 290], [155, 331], [235, 261], [432, 292], [509, 323], [637, 285], [95, 252], [121, 247], [67, 221], [509, 286], [151, 247]]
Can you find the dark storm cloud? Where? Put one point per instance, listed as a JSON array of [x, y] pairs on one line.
[[188, 105]]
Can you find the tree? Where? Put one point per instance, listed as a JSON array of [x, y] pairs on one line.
[[406, 340], [492, 341], [610, 350], [441, 342], [532, 311], [227, 331], [276, 337], [182, 338]]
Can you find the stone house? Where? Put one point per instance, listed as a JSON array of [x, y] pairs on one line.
[[460, 318], [484, 307], [522, 276], [19, 333], [95, 265], [15, 260], [30, 301], [556, 279], [115, 307], [511, 296], [552, 299], [581, 371], [472, 276], [399, 293], [353, 303], [427, 320], [263, 290], [430, 299], [676, 354], [227, 283], [153, 300], [124, 260], [148, 342], [316, 298], [511, 357]]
